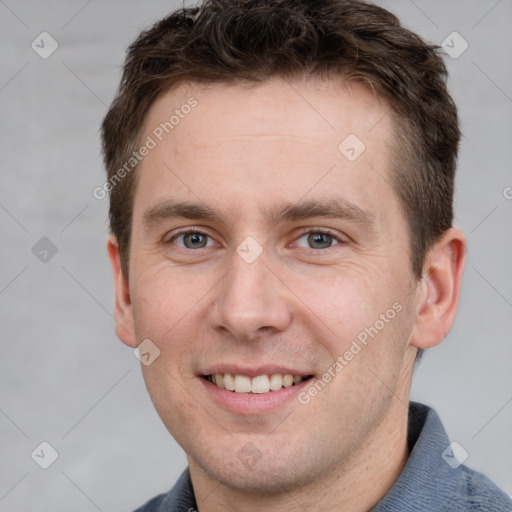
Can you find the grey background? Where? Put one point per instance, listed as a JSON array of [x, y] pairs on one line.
[[67, 380]]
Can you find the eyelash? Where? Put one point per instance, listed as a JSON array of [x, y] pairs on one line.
[[308, 231]]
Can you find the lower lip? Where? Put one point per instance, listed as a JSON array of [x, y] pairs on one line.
[[253, 403]]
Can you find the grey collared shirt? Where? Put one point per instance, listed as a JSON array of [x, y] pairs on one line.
[[431, 481]]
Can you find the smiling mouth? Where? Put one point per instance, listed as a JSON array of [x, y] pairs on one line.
[[255, 385]]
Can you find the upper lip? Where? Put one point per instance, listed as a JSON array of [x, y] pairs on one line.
[[253, 371]]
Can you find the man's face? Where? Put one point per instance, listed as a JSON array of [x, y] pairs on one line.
[[259, 290]]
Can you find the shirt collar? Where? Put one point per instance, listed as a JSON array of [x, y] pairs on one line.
[[427, 482], [181, 497]]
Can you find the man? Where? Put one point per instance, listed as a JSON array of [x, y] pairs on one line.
[[281, 181]]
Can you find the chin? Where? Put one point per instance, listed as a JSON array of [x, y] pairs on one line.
[[270, 473], [260, 481]]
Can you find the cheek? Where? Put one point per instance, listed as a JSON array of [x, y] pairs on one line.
[[176, 404], [166, 312], [365, 370], [163, 299], [345, 300], [363, 320]]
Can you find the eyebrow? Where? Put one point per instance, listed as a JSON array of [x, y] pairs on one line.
[[338, 208]]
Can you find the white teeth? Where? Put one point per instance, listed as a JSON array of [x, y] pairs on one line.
[[287, 381], [276, 382], [229, 382], [217, 379], [242, 384], [259, 384]]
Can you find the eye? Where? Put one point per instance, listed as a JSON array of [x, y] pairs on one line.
[[319, 239], [191, 239], [313, 239]]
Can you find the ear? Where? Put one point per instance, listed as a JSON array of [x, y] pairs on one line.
[[438, 297], [123, 314]]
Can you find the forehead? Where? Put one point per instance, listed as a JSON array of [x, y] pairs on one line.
[[310, 108], [234, 145]]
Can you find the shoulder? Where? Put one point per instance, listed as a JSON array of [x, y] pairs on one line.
[[430, 482], [179, 499], [480, 494], [153, 505]]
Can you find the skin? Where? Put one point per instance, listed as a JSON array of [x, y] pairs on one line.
[[301, 303]]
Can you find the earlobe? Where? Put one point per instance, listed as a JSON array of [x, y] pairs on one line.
[[438, 297], [123, 313]]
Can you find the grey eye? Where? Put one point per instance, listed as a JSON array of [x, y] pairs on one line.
[[317, 240], [192, 240]]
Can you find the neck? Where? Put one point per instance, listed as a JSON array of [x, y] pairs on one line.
[[355, 484]]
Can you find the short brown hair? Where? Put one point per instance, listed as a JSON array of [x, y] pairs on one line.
[[236, 41]]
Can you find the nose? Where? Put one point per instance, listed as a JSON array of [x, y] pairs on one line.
[[250, 301]]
